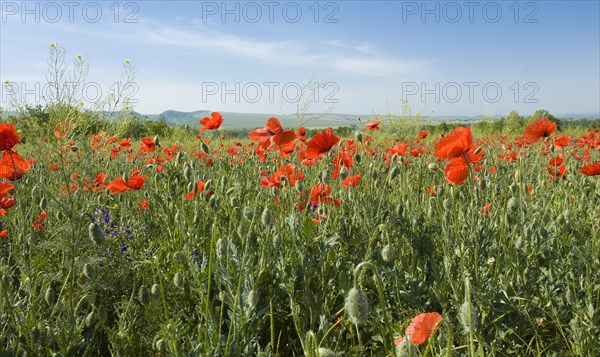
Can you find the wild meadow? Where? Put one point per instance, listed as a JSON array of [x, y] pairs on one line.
[[287, 242]]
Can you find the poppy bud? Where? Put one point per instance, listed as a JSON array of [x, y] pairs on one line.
[[144, 295], [282, 180], [266, 217], [35, 334], [50, 297], [343, 173], [517, 176], [241, 231], [357, 158], [277, 241], [325, 352], [482, 184], [394, 172], [90, 319], [357, 306], [478, 150], [359, 136], [469, 325], [95, 233], [567, 214], [220, 248], [325, 176], [205, 148], [439, 191], [512, 204], [179, 157], [252, 299], [155, 291], [81, 305], [399, 210], [89, 271], [212, 202], [299, 186], [223, 181], [178, 280], [156, 140], [374, 174], [74, 148], [248, 213], [43, 203], [125, 177], [187, 173], [102, 314], [191, 187], [387, 253], [447, 204], [513, 188], [432, 166], [196, 218]]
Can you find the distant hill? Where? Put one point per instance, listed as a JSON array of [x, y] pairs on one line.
[[255, 120]]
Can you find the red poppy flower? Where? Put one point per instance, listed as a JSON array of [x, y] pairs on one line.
[[351, 181], [321, 143], [212, 123], [5, 187], [301, 133], [13, 166], [399, 149], [456, 172], [7, 202], [195, 193], [562, 141], [454, 144], [422, 135], [423, 326], [144, 204], [373, 125], [542, 127], [562, 170], [4, 233], [556, 161], [273, 133], [8, 136], [321, 193], [591, 169], [147, 145], [62, 129]]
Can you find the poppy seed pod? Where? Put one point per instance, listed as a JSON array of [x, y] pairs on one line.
[[357, 306], [95, 233], [144, 295], [74, 148]]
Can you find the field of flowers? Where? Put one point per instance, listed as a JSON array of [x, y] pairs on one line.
[[381, 244]]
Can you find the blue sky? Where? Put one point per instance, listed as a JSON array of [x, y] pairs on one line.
[[443, 58]]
